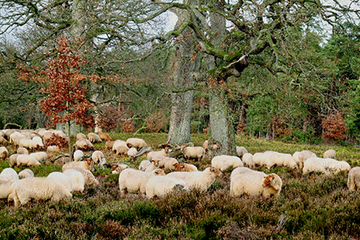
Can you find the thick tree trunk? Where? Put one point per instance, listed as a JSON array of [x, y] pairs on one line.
[[78, 13]]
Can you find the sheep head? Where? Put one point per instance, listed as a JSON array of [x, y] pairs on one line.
[[272, 180], [216, 171]]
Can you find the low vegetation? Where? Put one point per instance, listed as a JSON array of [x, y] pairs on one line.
[[309, 207]]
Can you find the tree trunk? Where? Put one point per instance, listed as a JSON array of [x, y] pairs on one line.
[[78, 14], [70, 147]]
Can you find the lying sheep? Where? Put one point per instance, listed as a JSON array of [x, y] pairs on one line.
[[255, 183], [88, 164], [94, 138], [247, 159], [3, 153], [120, 148], [156, 155], [168, 163], [9, 173], [301, 157], [53, 148], [61, 178], [327, 166], [84, 144], [281, 160], [38, 188], [330, 154], [137, 143], [160, 186], [104, 136], [22, 150], [353, 181], [134, 181], [224, 162], [200, 180], [26, 173], [118, 168], [77, 180], [197, 153], [78, 155], [185, 167], [240, 151]]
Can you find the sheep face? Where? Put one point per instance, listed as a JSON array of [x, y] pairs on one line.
[[155, 162], [272, 180], [216, 171], [159, 172]]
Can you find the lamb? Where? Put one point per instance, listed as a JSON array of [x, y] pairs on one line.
[[22, 150], [330, 153], [94, 138], [88, 164], [247, 159], [118, 168], [84, 144], [80, 136], [78, 155], [9, 173], [197, 153], [3, 153], [137, 143], [40, 156], [61, 178], [104, 136], [153, 155], [38, 188], [240, 151], [77, 180], [224, 162], [185, 167], [327, 166], [53, 148], [133, 181], [281, 159], [200, 180], [168, 163], [353, 181], [160, 186], [26, 160], [301, 157], [120, 147], [26, 173], [255, 183]]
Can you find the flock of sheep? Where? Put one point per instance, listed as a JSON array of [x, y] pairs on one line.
[[150, 179]]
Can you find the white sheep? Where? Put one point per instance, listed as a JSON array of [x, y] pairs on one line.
[[12, 160], [302, 156], [9, 173], [160, 186], [240, 151], [94, 138], [36, 143], [281, 160], [61, 178], [78, 155], [239, 170], [247, 159], [224, 162], [22, 150], [98, 158], [26, 160], [255, 183], [154, 164], [38, 188], [26, 173], [168, 163], [90, 179], [84, 144], [261, 159], [53, 148], [156, 155], [327, 166], [77, 180], [330, 153], [353, 181], [132, 152], [200, 180], [120, 147], [134, 181], [88, 164], [6, 187], [145, 164], [80, 136], [40, 156], [137, 143], [118, 168], [197, 153], [3, 153], [185, 167]]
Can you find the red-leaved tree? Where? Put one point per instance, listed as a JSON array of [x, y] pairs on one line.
[[64, 87], [333, 126]]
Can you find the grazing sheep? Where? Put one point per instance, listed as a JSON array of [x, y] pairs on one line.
[[134, 181], [9, 173], [281, 160], [77, 180], [80, 136], [156, 155], [26, 160], [12, 160], [120, 147], [109, 144], [200, 180], [53, 148], [160, 186], [104, 136], [168, 163], [40, 156], [61, 178], [22, 150], [37, 143], [154, 164], [26, 173], [118, 168], [38, 188], [88, 165], [197, 153], [261, 159], [240, 151], [94, 138], [137, 143], [144, 165], [3, 153], [224, 162], [185, 167], [327, 166], [84, 144], [247, 159], [90, 179], [6, 187], [301, 157], [98, 158], [353, 181], [78, 155], [330, 154], [255, 183], [132, 152]]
